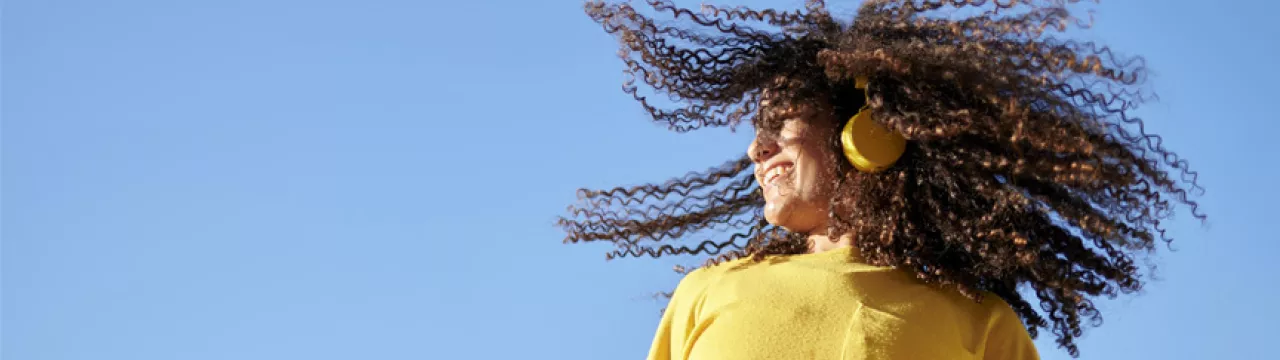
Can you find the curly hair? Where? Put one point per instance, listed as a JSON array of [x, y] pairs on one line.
[[1024, 174]]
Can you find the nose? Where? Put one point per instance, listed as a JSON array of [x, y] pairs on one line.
[[762, 149]]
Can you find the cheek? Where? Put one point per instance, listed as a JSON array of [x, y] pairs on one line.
[[814, 175], [812, 180]]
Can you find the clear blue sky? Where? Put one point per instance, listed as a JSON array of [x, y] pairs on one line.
[[378, 179]]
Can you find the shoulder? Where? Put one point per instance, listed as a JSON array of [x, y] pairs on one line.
[[1007, 336], [699, 279], [701, 276], [992, 310], [999, 311]]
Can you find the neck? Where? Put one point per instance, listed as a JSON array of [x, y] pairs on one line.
[[823, 243]]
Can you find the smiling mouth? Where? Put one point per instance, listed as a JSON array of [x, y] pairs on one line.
[[774, 173]]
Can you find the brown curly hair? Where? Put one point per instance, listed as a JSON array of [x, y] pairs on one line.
[[1024, 171]]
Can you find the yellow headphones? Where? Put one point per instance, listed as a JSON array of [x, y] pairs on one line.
[[869, 146]]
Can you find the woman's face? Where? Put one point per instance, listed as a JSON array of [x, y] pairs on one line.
[[793, 168]]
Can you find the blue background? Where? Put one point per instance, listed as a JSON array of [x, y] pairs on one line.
[[379, 179]]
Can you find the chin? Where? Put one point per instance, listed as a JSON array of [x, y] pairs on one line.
[[779, 216], [773, 220], [791, 216]]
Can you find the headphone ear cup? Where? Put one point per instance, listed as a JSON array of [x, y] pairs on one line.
[[869, 146]]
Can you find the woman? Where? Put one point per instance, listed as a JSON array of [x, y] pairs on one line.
[[918, 183]]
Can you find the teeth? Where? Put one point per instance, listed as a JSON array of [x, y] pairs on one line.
[[775, 173]]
